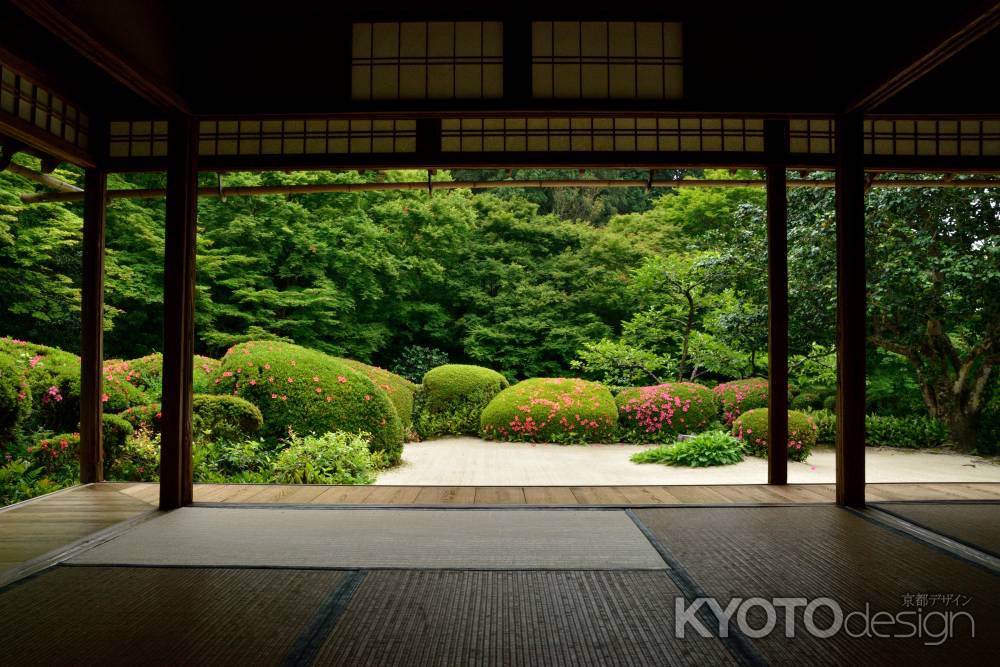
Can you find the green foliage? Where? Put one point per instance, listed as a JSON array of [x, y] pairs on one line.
[[121, 387], [237, 459], [143, 417], [660, 413], [739, 396], [302, 389], [15, 398], [751, 427], [453, 397], [331, 458], [116, 431], [54, 379], [561, 410], [224, 417], [712, 448], [138, 460], [146, 373], [910, 432], [618, 364], [58, 456], [399, 389], [826, 426], [414, 361], [21, 480]]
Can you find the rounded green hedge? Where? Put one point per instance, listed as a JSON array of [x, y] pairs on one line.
[[660, 413], [120, 388], [559, 410], [225, 417], [308, 392], [452, 398], [15, 397], [739, 396], [751, 428], [146, 373], [53, 376], [399, 389]]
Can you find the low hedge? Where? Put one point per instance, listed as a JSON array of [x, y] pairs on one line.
[[15, 398], [751, 428], [660, 413], [399, 389], [225, 417], [307, 391], [561, 410], [452, 398], [736, 398], [917, 432], [146, 373]]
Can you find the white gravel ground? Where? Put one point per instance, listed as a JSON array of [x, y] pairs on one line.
[[475, 462]]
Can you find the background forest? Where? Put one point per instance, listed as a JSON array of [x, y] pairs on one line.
[[625, 286]]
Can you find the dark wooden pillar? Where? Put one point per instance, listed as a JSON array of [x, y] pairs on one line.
[[92, 328], [176, 483], [776, 143], [851, 311]]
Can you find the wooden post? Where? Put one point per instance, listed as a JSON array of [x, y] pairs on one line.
[[176, 482], [851, 311], [776, 143], [92, 328]]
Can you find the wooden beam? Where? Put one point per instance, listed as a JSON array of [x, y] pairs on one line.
[[92, 329], [44, 179], [981, 23], [851, 312], [40, 142], [776, 140], [176, 481]]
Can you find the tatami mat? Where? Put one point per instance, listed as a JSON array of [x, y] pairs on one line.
[[812, 552], [515, 618], [500, 539], [137, 616], [976, 524]]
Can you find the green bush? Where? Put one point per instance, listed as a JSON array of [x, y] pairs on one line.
[[399, 389], [138, 460], [54, 379], [21, 480], [308, 392], [452, 399], [331, 458], [120, 392], [146, 373], [116, 432], [58, 456], [143, 417], [910, 432], [243, 459], [661, 412], [751, 428], [15, 398], [414, 362], [559, 410], [224, 417], [826, 426], [712, 448], [739, 396]]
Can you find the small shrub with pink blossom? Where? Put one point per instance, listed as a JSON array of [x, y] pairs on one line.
[[751, 428], [399, 389], [662, 412], [15, 398], [53, 377], [560, 410], [120, 388], [739, 396], [147, 373]]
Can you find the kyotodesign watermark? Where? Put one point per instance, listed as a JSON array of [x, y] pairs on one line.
[[824, 617]]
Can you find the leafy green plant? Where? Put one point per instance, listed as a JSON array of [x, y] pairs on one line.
[[15, 398], [54, 381], [224, 417], [826, 426], [661, 412], [21, 480], [415, 360], [309, 392], [712, 448], [138, 459], [116, 433], [561, 410], [331, 458], [230, 460], [910, 432], [752, 428], [453, 397]]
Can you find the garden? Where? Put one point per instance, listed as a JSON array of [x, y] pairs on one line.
[[332, 329]]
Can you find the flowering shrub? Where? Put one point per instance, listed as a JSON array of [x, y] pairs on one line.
[[57, 456], [147, 373], [53, 378], [138, 459], [751, 428], [310, 392], [15, 398], [143, 417], [121, 390], [712, 448], [661, 412], [453, 397], [562, 410], [739, 396], [399, 389]]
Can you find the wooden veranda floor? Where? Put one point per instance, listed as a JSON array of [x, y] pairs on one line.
[[44, 527]]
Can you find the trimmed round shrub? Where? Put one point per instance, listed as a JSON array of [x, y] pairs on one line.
[[751, 428], [399, 389], [205, 369], [116, 431], [146, 373], [662, 412], [225, 417], [146, 417], [562, 410], [120, 388], [452, 399], [306, 391], [53, 377], [739, 396], [15, 397]]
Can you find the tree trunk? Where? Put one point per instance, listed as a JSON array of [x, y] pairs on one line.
[[963, 429]]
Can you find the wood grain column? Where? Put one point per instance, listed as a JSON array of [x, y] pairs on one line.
[[176, 481], [776, 143], [851, 311], [92, 327]]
